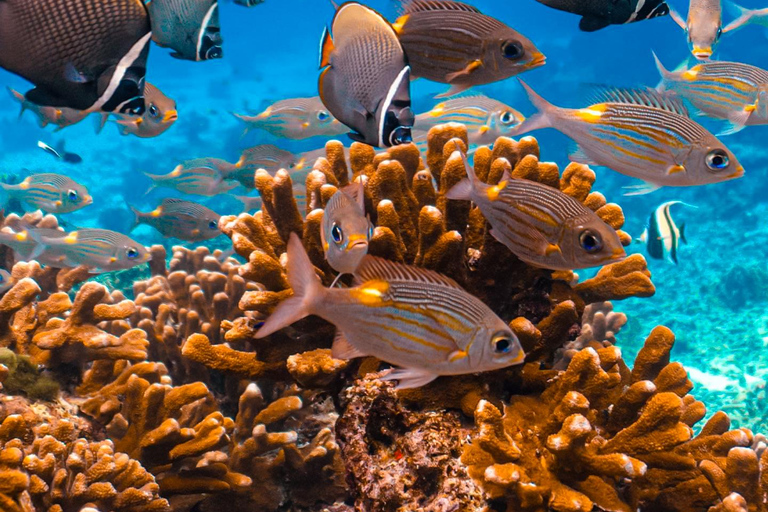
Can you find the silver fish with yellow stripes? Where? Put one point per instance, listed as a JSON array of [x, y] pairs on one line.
[[264, 156], [100, 250], [746, 16], [50, 192], [177, 218], [639, 133], [196, 177], [486, 119], [539, 224], [23, 240], [662, 236], [731, 91], [295, 118], [411, 317], [345, 230], [704, 26], [454, 43], [5, 280]]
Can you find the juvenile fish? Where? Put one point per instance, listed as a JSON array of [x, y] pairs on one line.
[[639, 133], [662, 236], [598, 14], [539, 224], [190, 27], [345, 231], [50, 192], [99, 249], [61, 117], [88, 55], [365, 78], [160, 114], [704, 26], [747, 17], [486, 119], [454, 43], [411, 317], [192, 177], [185, 220], [732, 91], [5, 280], [295, 118]]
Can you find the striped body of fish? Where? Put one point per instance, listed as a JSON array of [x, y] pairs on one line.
[[724, 90], [639, 133], [662, 236], [486, 119], [101, 250], [407, 316], [185, 220], [50, 192], [704, 26], [539, 224], [190, 178], [295, 118]]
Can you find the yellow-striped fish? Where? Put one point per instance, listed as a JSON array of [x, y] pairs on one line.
[[704, 26], [198, 176], [345, 230], [100, 250], [177, 218], [50, 192], [539, 224], [747, 17], [642, 134], [486, 119], [414, 318], [732, 91], [295, 118]]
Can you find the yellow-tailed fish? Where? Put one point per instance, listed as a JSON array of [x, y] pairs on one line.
[[345, 230], [50, 192], [5, 280], [160, 114], [365, 78], [454, 43], [598, 14], [411, 317], [100, 250], [639, 133], [704, 26], [25, 244], [193, 177], [295, 118], [486, 119], [746, 16], [539, 224], [177, 218], [61, 117], [732, 91], [190, 27], [662, 236]]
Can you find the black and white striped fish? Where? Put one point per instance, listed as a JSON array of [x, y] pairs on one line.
[[662, 236]]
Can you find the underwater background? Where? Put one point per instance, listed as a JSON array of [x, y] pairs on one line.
[[715, 299]]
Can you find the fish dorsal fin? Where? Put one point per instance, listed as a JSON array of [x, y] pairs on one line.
[[412, 6], [647, 97], [373, 268], [356, 192], [326, 47]]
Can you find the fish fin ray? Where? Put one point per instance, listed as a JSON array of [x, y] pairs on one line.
[[408, 378], [647, 97], [374, 268], [579, 155], [343, 349], [640, 190], [411, 6], [454, 90]]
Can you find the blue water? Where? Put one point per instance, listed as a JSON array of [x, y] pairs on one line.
[[715, 299]]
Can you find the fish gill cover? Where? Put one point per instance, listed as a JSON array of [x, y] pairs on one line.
[[548, 336]]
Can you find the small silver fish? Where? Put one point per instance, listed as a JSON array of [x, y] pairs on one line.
[[639, 133], [365, 79], [411, 317], [295, 118], [704, 26], [746, 16], [50, 192], [190, 27], [193, 177], [539, 224], [61, 117], [99, 249], [160, 114], [185, 220], [5, 280], [662, 236], [345, 231], [454, 43]]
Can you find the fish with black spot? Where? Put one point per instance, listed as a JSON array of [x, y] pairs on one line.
[[100, 56], [365, 78], [662, 236], [598, 14], [190, 27]]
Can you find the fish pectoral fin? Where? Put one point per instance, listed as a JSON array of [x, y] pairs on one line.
[[408, 378], [592, 23], [678, 19], [675, 169], [580, 156], [343, 349], [457, 355], [453, 91], [552, 249], [467, 71], [639, 190]]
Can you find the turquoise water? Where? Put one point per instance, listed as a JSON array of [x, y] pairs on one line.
[[714, 300]]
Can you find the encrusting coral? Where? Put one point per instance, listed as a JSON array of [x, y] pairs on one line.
[[200, 415]]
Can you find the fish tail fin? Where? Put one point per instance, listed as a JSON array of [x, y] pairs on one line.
[[741, 14], [40, 245], [644, 237], [307, 290], [16, 95], [664, 72], [463, 189], [540, 119], [136, 220], [101, 122], [152, 178], [682, 233]]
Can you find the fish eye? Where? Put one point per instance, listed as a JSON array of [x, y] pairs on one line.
[[400, 135], [502, 342], [337, 234], [717, 160], [323, 115], [72, 195], [213, 224], [507, 118], [590, 241], [153, 110], [132, 253], [512, 50]]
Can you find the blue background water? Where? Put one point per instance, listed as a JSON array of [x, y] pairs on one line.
[[715, 299]]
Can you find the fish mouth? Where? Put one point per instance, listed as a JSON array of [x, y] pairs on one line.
[[87, 200], [353, 244], [539, 59], [738, 173], [702, 53], [618, 254], [170, 116]]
